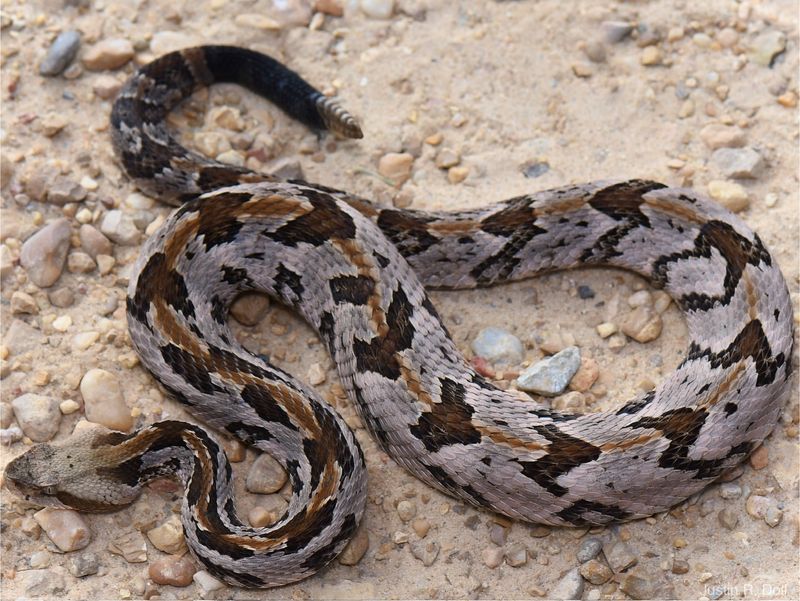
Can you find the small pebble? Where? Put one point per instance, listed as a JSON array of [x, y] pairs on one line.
[[446, 158], [595, 51], [616, 31], [738, 163], [728, 518], [65, 527], [93, 242], [729, 194], [516, 555], [39, 559], [406, 510], [596, 572], [396, 166], [172, 570], [651, 56], [62, 323], [61, 53], [270, 509], [570, 586], [80, 262], [61, 297], [590, 548], [759, 459], [316, 374], [582, 69], [680, 566], [266, 475], [23, 303], [68, 407], [550, 376], [426, 552], [108, 54], [717, 135], [103, 400], [456, 175], [41, 583], [637, 587], [356, 548], [106, 87], [585, 292], [533, 169], [620, 557], [38, 416], [498, 346], [168, 537], [730, 490], [421, 527], [766, 46], [6, 415], [120, 228], [492, 556], [606, 329], [44, 254], [207, 582], [130, 545], [498, 534], [642, 324], [84, 564], [377, 9]]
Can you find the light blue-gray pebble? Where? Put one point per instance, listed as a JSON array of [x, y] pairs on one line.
[[569, 587], [61, 53], [498, 346], [550, 376], [590, 548]]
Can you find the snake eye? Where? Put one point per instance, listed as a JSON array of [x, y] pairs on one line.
[[49, 490]]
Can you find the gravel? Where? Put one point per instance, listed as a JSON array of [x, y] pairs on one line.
[[550, 376], [61, 53]]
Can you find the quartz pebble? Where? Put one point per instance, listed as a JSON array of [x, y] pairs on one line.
[[550, 376], [642, 324], [730, 194], [606, 329], [172, 570], [516, 555], [168, 537], [498, 346], [62, 323], [396, 166], [207, 582], [570, 586], [130, 545], [44, 254], [84, 564], [738, 163], [120, 228], [60, 54], [377, 9], [68, 407], [38, 416], [766, 46], [356, 548], [65, 527], [103, 400], [108, 54], [266, 475], [316, 374], [717, 135]]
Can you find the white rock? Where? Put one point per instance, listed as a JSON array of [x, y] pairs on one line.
[[207, 582], [498, 346], [168, 537], [119, 227], [550, 376], [738, 163], [38, 416], [103, 400]]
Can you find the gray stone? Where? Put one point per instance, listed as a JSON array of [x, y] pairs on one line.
[[620, 557], [120, 228], [93, 242], [265, 476], [550, 376], [42, 583], [569, 587], [61, 52], [37, 415], [84, 564], [590, 548], [739, 163], [728, 518], [616, 31], [425, 552], [498, 346], [730, 490], [637, 587], [766, 47], [44, 254]]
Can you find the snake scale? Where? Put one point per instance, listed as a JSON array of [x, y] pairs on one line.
[[357, 273]]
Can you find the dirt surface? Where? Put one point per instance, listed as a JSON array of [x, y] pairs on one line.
[[528, 95]]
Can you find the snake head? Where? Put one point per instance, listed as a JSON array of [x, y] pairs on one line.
[[75, 474]]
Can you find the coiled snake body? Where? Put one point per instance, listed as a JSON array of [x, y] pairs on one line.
[[357, 273]]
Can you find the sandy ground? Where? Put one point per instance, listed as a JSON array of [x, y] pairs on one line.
[[507, 85]]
